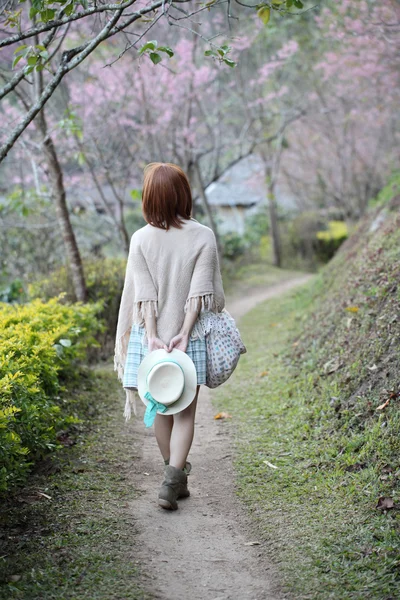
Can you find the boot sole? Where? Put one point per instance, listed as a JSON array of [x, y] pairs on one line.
[[166, 504], [184, 495]]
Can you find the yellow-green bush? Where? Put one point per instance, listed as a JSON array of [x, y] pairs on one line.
[[41, 346], [329, 240], [104, 280]]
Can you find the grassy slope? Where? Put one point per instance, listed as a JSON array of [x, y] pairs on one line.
[[305, 398], [81, 543]]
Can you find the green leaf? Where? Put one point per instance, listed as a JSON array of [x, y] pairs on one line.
[[65, 342], [148, 46], [38, 5], [28, 70], [229, 62], [33, 12], [221, 52], [289, 3], [156, 58], [210, 53], [226, 48], [16, 61], [135, 194], [47, 15], [85, 4], [39, 67], [264, 13], [44, 54], [20, 48], [69, 9], [32, 60], [298, 3], [166, 49]]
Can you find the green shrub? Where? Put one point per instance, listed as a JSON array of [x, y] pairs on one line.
[[14, 292], [41, 347], [329, 240], [233, 245], [104, 280], [312, 238], [256, 227]]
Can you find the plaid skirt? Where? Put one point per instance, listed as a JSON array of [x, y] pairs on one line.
[[137, 350]]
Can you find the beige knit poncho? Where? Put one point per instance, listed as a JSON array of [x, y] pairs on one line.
[[167, 271]]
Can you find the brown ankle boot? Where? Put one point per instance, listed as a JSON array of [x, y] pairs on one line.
[[173, 487]]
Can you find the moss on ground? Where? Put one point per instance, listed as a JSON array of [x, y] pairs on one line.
[[80, 542], [317, 396]]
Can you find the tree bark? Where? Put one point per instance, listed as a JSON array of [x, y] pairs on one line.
[[60, 198], [273, 219], [70, 243]]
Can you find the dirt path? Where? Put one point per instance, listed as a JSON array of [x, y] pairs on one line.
[[201, 551]]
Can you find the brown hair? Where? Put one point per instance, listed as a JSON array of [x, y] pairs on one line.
[[167, 198]]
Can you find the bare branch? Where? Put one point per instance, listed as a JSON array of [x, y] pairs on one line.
[[49, 90], [42, 27]]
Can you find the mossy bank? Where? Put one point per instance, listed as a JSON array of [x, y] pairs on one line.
[[315, 414]]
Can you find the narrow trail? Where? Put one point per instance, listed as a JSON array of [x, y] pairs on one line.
[[201, 551]]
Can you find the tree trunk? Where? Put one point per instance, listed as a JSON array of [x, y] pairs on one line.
[[71, 246], [59, 195], [207, 207], [273, 219]]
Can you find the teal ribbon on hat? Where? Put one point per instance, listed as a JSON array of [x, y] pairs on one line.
[[152, 408]]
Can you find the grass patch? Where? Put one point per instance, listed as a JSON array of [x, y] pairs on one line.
[[320, 362], [240, 276], [81, 542]]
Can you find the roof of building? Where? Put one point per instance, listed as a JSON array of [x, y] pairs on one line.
[[241, 185]]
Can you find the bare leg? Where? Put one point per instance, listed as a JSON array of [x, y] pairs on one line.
[[182, 434], [162, 428]]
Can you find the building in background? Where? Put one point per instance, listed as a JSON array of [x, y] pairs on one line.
[[240, 192]]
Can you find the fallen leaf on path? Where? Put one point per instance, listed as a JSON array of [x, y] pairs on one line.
[[348, 322], [269, 464], [252, 543], [263, 373], [44, 495], [146, 473], [385, 503], [222, 415], [352, 309], [373, 368]]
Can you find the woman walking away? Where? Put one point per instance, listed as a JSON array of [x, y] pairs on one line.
[[172, 276]]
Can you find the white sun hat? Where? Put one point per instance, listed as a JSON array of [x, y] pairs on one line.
[[166, 383]]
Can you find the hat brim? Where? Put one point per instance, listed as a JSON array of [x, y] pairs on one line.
[[189, 371]]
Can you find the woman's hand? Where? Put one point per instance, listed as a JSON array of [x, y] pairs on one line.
[[154, 343], [180, 342]]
